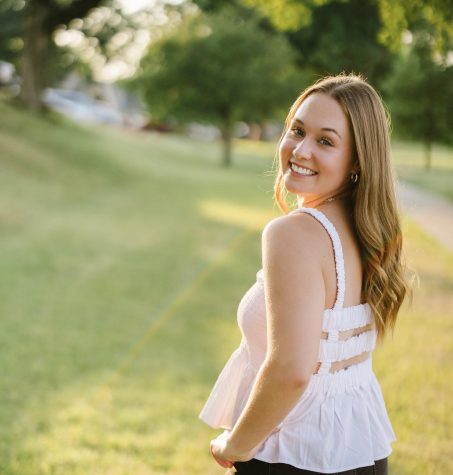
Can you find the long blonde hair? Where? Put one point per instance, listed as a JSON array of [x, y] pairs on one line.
[[373, 197]]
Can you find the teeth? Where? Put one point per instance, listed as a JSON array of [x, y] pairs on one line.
[[302, 171]]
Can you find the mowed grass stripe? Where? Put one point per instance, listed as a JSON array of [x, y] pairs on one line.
[[166, 314]]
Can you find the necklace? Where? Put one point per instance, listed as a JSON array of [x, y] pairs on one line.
[[330, 199]]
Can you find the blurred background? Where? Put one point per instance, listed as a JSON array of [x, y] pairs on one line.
[[137, 141]]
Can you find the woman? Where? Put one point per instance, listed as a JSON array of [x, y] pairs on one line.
[[299, 395]]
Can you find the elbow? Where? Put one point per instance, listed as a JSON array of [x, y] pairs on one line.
[[298, 382], [286, 376]]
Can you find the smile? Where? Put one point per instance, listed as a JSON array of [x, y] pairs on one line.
[[301, 170]]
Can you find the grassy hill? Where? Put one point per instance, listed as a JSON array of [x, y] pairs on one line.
[[124, 256]]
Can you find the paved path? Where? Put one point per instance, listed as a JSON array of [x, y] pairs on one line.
[[432, 212]]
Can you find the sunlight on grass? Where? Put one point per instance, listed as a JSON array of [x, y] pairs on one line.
[[237, 215], [82, 438]]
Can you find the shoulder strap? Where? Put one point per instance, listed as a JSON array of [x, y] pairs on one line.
[[337, 249]]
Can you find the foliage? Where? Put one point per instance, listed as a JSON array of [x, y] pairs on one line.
[[421, 96], [332, 42], [396, 17], [287, 15], [11, 30]]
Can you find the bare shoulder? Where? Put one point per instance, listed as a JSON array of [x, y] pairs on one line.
[[295, 296], [298, 232]]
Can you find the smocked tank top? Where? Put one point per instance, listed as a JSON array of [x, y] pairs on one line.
[[340, 422]]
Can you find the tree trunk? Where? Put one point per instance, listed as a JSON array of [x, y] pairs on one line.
[[227, 142], [428, 154], [35, 54]]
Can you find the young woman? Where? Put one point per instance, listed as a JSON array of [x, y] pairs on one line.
[[299, 395]]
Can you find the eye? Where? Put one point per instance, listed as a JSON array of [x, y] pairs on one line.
[[295, 131], [326, 141]]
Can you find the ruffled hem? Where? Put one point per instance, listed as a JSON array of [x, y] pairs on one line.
[[341, 433], [230, 392]]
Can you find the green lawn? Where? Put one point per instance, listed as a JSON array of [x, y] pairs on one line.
[[124, 257]]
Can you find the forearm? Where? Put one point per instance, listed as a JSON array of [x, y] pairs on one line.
[[272, 397]]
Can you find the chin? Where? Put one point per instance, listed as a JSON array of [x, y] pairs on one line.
[[294, 186]]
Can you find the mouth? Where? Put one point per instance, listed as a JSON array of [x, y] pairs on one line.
[[303, 171]]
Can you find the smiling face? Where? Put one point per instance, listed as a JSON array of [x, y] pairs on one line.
[[316, 152]]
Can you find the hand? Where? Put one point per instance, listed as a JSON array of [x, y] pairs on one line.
[[225, 455]]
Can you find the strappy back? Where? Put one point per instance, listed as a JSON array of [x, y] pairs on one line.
[[348, 336], [337, 249]]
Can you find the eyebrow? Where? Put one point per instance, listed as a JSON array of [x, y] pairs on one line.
[[328, 129]]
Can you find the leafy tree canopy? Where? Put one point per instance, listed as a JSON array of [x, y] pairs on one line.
[[333, 42], [401, 15], [396, 17]]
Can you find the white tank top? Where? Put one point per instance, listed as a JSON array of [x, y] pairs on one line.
[[340, 422]]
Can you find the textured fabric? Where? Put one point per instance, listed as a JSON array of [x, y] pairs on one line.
[[340, 422]]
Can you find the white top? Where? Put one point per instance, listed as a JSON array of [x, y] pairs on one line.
[[340, 422]]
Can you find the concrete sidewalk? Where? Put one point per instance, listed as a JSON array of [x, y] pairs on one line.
[[432, 212]]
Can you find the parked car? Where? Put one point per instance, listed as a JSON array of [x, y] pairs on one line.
[[81, 107], [9, 79]]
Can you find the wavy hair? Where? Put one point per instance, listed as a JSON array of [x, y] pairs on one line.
[[373, 196]]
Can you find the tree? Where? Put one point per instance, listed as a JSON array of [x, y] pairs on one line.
[[40, 20], [421, 96], [218, 69], [344, 45]]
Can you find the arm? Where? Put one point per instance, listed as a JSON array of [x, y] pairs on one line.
[[295, 296]]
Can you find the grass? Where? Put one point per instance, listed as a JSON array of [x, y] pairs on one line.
[[124, 258], [410, 165]]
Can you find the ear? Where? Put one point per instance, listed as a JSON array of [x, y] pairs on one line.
[[355, 168]]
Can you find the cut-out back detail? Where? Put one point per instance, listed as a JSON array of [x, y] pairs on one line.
[[326, 366], [335, 335], [329, 367]]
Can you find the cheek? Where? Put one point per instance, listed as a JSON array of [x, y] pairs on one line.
[[285, 150], [341, 167]]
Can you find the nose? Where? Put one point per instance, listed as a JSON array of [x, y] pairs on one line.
[[302, 150]]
